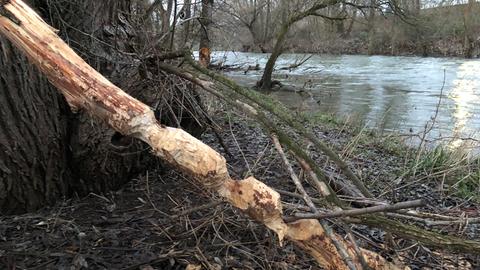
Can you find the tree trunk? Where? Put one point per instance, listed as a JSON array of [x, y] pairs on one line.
[[266, 30], [394, 34], [186, 26], [339, 24], [351, 23], [371, 26], [165, 15], [47, 154], [34, 157], [287, 22], [266, 81], [205, 32]]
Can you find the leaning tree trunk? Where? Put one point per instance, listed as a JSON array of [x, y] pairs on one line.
[[80, 156], [86, 89], [266, 81]]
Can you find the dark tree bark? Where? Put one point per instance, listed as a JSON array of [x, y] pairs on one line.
[[206, 21], [49, 152], [186, 26], [266, 81], [34, 119]]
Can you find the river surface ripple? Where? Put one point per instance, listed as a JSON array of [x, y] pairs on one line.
[[398, 94]]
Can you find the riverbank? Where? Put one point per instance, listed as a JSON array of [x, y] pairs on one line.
[[442, 31], [337, 45], [454, 172], [453, 47], [153, 223]]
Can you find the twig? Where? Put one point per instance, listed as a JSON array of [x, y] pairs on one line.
[[426, 215], [198, 208], [159, 258], [328, 231], [220, 140], [321, 187], [164, 56], [297, 64], [150, 199], [160, 38], [361, 211], [298, 196], [294, 177], [430, 220], [427, 127], [324, 191], [215, 130], [459, 220], [357, 249]]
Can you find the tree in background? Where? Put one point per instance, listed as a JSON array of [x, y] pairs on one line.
[[371, 22], [468, 28], [405, 27], [290, 18], [281, 16], [295, 12], [254, 15], [205, 33]]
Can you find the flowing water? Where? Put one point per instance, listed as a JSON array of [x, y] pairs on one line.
[[398, 94]]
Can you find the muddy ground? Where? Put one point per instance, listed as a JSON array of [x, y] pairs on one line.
[[149, 223]]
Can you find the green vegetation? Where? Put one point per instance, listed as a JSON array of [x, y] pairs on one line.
[[454, 170], [322, 118]]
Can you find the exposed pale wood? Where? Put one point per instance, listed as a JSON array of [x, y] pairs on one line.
[[86, 89]]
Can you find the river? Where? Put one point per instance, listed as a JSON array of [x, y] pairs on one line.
[[396, 94]]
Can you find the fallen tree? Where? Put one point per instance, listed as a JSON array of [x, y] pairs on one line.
[[257, 105], [86, 89], [280, 111]]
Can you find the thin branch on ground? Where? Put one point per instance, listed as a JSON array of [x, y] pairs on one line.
[[361, 211], [328, 231]]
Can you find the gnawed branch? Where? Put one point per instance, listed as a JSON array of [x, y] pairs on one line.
[[86, 89]]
